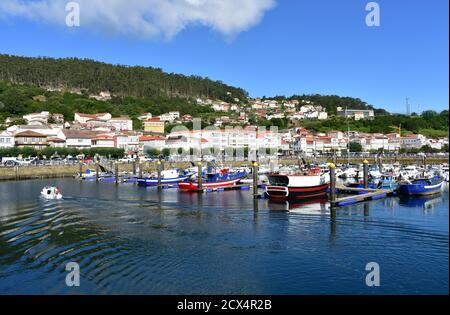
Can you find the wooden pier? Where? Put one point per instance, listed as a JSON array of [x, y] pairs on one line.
[[364, 194]]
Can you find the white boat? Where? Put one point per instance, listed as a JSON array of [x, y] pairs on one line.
[[297, 186], [375, 173], [349, 172], [50, 192], [409, 172]]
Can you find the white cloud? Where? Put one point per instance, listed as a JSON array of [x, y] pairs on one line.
[[146, 18]]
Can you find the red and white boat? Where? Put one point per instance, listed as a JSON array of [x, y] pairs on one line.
[[297, 186], [193, 186]]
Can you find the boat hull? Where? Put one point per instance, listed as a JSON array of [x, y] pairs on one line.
[[193, 186], [419, 190], [296, 193], [164, 181]]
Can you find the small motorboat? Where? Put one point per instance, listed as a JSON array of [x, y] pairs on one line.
[[421, 186], [89, 174], [50, 192]]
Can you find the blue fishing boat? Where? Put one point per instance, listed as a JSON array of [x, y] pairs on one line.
[[169, 177], [422, 186], [388, 181]]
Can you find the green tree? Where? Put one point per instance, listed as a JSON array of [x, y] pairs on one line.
[[355, 146]]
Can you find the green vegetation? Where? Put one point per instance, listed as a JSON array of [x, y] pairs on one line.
[[61, 152], [93, 77], [355, 147], [435, 125], [19, 100]]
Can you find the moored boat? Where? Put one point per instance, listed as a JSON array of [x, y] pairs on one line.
[[295, 187], [421, 186], [168, 177], [214, 181]]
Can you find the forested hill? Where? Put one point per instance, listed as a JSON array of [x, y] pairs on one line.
[[94, 77]]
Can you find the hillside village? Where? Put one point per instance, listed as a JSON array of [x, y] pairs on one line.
[[236, 128]]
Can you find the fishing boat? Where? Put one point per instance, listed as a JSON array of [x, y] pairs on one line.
[[295, 187], [350, 172], [50, 192], [168, 177], [388, 181], [221, 179], [421, 186]]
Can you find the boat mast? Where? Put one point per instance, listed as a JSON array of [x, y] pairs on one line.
[[348, 137]]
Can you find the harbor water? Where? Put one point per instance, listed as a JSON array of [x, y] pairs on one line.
[[134, 240]]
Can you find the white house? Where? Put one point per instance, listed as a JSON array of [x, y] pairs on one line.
[[83, 118], [37, 118], [128, 141], [6, 139], [322, 116], [121, 123], [170, 116], [154, 142], [79, 139]]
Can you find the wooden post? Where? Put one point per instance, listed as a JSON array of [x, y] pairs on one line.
[[424, 165], [116, 171], [255, 179], [332, 185], [366, 173], [199, 177], [97, 175], [80, 166], [380, 164], [158, 170], [140, 169], [17, 172], [134, 167]]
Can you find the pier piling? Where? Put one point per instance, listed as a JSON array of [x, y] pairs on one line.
[[140, 169], [332, 167], [158, 170], [116, 171], [199, 177], [255, 179], [134, 167], [366, 173], [80, 168], [97, 172]]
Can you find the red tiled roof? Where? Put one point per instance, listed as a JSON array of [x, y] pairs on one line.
[[151, 138], [29, 133], [56, 140]]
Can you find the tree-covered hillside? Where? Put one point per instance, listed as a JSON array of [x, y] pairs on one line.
[[94, 77], [19, 99]]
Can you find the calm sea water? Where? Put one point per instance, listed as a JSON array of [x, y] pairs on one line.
[[132, 240]]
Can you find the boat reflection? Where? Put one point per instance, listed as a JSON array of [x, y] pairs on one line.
[[313, 206], [425, 202]]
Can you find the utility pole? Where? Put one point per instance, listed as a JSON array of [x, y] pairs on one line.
[[408, 107]]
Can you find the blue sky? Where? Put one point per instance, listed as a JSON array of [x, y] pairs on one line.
[[293, 47]]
